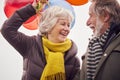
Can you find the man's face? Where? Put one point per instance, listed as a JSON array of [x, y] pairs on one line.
[[95, 22]]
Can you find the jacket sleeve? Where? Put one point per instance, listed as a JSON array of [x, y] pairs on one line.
[[10, 28], [76, 69]]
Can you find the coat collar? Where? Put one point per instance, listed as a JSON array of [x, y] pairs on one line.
[[71, 52], [113, 29], [108, 50], [113, 40]]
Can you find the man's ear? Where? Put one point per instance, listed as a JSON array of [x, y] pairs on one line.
[[106, 16]]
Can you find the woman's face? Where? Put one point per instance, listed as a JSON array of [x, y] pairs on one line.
[[60, 31]]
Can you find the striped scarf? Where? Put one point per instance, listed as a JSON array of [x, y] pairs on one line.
[[95, 52]]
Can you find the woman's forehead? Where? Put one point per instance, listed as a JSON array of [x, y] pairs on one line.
[[63, 19]]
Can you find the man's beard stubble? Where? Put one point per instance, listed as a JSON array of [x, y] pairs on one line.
[[99, 25]]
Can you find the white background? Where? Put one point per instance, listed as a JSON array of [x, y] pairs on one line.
[[11, 61]]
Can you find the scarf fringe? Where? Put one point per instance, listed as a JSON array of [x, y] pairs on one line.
[[58, 76]]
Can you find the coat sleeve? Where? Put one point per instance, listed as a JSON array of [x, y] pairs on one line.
[[10, 28], [77, 69]]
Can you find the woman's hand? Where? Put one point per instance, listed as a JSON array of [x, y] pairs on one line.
[[39, 4]]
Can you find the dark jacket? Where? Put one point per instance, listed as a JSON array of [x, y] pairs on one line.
[[31, 47], [109, 65]]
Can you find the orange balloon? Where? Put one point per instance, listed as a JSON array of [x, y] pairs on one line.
[[32, 25], [31, 19], [77, 2]]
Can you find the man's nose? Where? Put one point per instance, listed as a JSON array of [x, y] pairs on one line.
[[88, 22]]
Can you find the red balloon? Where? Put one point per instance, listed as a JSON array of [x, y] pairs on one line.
[[77, 2], [12, 5]]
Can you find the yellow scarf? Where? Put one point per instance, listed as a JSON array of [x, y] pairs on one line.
[[54, 53]]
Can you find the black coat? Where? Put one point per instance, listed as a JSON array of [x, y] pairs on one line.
[[109, 65]]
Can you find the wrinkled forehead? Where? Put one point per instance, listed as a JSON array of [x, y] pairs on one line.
[[91, 8], [92, 5]]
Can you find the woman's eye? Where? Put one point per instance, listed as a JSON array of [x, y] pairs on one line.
[[63, 24], [68, 25]]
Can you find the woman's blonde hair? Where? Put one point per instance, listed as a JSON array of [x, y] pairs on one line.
[[50, 17]]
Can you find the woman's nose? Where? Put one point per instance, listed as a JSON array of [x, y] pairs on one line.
[[67, 27]]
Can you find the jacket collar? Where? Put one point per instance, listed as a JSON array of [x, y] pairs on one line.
[[107, 52], [114, 28], [113, 40], [71, 52]]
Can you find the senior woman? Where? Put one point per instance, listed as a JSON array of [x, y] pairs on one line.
[[50, 55]]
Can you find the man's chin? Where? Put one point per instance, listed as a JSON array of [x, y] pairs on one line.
[[96, 34]]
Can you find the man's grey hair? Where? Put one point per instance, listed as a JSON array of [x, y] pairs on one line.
[[110, 6]]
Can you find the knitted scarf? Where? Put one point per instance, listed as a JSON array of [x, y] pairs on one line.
[[54, 53], [95, 51]]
